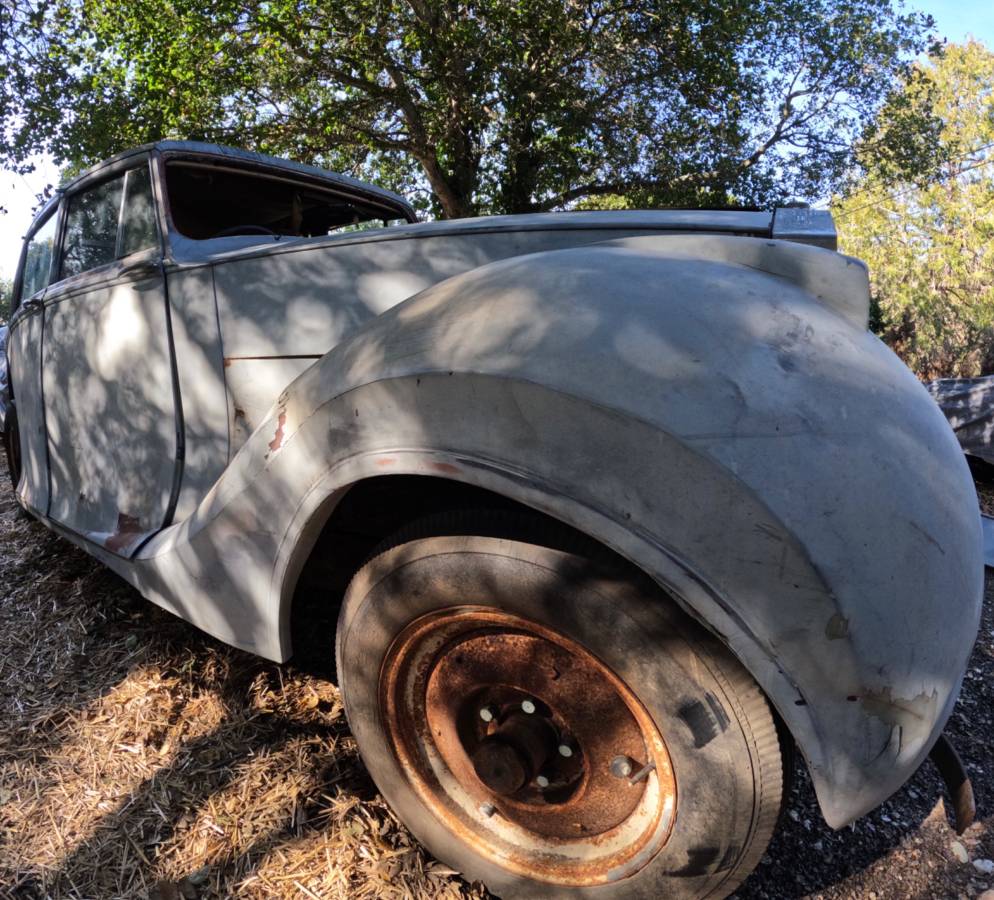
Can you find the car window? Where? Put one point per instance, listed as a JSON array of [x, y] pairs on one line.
[[91, 228], [138, 230], [38, 260], [209, 201], [100, 228]]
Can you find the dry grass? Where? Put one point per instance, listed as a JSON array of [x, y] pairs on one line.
[[141, 758]]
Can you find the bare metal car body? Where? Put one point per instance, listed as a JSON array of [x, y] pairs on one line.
[[696, 390]]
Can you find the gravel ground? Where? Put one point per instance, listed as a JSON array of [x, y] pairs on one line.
[[144, 759]]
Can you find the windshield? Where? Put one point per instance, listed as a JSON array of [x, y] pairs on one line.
[[206, 201]]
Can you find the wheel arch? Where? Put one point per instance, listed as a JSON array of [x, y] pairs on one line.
[[345, 529], [422, 483]]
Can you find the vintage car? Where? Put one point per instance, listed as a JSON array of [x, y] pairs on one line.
[[618, 508]]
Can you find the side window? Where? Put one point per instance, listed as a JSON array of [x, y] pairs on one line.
[[212, 201], [91, 228], [38, 260], [138, 231], [109, 221]]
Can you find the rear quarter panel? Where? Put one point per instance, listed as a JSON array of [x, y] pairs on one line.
[[281, 310]]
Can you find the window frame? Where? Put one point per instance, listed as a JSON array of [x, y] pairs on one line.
[[119, 246], [54, 208], [70, 196], [120, 171]]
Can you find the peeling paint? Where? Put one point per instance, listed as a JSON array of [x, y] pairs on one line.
[[277, 440], [910, 718]]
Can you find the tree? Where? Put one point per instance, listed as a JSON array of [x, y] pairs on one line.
[[6, 295], [929, 241], [483, 105]]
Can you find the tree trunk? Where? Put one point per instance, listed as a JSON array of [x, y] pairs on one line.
[[454, 204], [517, 184]]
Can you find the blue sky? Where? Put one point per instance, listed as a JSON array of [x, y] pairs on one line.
[[955, 20], [958, 19]]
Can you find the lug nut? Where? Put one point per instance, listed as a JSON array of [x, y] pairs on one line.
[[565, 750], [621, 767], [487, 809], [542, 781], [487, 714], [527, 706]]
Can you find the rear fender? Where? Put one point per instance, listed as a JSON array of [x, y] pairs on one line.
[[731, 432]]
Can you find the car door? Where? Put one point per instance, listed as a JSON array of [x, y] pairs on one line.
[[24, 355], [108, 377]]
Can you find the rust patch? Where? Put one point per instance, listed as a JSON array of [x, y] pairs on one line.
[[239, 413], [581, 703], [837, 627], [386, 461], [951, 768], [445, 468], [128, 528], [498, 698], [277, 440], [228, 361]]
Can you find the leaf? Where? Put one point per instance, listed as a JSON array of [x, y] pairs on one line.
[[515, 108], [926, 232]]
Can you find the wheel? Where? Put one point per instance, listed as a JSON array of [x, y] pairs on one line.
[[548, 722]]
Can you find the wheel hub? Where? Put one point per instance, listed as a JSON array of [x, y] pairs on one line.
[[492, 712], [515, 753]]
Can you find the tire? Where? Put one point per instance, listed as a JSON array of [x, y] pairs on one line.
[[453, 611], [12, 448]]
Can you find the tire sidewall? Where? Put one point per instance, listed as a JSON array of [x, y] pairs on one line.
[[625, 621]]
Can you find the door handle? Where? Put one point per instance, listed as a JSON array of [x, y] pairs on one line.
[[144, 269]]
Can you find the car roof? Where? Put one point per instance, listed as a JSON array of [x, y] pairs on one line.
[[233, 154]]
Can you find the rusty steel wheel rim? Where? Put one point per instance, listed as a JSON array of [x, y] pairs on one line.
[[527, 746]]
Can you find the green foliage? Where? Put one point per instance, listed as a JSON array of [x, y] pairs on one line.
[[474, 105], [6, 295], [929, 241]]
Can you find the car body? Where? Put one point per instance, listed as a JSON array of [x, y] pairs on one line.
[[214, 414]]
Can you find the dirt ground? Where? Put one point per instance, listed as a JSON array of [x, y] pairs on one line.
[[141, 758]]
